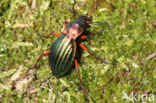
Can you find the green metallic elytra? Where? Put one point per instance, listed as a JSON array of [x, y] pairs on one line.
[[61, 55]]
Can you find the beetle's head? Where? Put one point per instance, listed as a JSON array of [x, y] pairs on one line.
[[76, 28], [82, 21]]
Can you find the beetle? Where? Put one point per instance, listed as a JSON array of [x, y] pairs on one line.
[[63, 50]]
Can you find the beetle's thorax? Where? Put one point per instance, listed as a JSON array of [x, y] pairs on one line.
[[73, 31]]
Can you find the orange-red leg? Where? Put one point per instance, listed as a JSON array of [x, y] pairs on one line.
[[85, 36], [97, 58], [35, 65], [55, 34], [92, 34], [77, 70], [44, 53]]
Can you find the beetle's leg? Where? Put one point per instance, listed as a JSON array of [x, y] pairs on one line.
[[92, 34], [85, 36], [44, 53], [97, 58], [55, 34], [77, 70], [35, 65]]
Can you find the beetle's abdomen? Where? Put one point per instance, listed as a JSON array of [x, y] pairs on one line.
[[61, 55]]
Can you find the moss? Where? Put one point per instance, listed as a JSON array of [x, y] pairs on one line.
[[128, 41]]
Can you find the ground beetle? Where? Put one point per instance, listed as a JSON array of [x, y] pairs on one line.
[[62, 52]]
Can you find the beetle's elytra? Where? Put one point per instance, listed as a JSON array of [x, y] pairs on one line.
[[61, 55]]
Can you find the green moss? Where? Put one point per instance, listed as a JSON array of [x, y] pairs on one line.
[[128, 41]]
